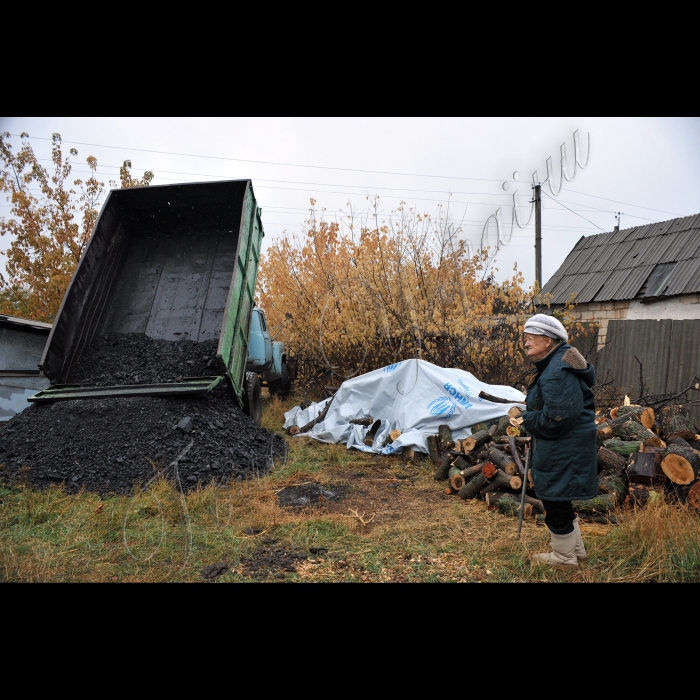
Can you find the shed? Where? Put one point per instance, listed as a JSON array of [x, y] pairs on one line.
[[642, 286], [21, 347]]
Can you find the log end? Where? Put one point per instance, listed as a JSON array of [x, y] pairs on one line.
[[293, 431], [489, 470], [678, 470]]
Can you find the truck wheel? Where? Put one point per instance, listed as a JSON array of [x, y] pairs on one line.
[[252, 397], [283, 386]]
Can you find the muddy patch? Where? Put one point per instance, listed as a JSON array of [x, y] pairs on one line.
[[306, 495], [275, 563]]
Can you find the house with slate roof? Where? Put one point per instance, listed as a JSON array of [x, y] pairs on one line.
[[649, 272]]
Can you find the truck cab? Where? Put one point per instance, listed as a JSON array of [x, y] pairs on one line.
[[267, 357]]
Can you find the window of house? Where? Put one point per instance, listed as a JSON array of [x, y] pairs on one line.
[[657, 284]]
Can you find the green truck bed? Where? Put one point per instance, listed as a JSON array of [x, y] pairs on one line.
[[172, 262]]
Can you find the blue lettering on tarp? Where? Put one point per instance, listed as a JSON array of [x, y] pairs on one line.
[[467, 390], [442, 406], [456, 396], [392, 368]]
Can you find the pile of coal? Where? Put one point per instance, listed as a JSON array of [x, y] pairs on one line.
[[112, 445]]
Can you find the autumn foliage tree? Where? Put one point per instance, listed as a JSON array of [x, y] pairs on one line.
[[368, 294], [51, 220]]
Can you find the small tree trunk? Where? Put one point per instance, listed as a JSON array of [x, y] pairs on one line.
[[689, 454], [503, 461], [612, 483], [474, 471], [645, 468], [646, 416], [603, 433], [632, 431], [443, 471], [638, 495], [473, 487], [678, 469], [509, 505], [475, 441], [623, 448], [456, 479], [675, 421], [503, 425], [610, 461], [600, 504], [433, 448], [369, 438], [445, 441]]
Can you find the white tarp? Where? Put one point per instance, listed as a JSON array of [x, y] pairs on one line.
[[414, 397]]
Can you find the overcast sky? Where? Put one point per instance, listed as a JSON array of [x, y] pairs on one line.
[[646, 168]]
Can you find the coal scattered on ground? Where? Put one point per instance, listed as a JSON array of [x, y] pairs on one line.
[[308, 495], [111, 445], [275, 563]]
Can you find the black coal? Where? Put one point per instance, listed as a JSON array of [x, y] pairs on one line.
[[111, 445]]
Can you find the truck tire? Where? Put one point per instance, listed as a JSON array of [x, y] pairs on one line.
[[252, 397], [282, 387]]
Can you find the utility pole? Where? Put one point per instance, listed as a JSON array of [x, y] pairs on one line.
[[538, 235]]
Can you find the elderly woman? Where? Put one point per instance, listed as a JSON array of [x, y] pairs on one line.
[[560, 417]]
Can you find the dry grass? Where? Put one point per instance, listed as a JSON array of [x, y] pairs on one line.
[[394, 523]]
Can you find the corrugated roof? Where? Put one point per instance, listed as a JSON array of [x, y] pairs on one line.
[[616, 265]]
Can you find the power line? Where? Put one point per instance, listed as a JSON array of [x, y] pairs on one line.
[[616, 201], [267, 162], [573, 212]]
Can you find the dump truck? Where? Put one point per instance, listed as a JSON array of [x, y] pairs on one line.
[[22, 342], [171, 262]]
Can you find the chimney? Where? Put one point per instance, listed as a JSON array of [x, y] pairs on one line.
[[617, 228]]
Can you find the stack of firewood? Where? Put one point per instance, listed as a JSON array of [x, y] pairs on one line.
[[639, 453], [650, 453]]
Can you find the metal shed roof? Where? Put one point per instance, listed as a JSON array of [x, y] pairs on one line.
[[615, 266]]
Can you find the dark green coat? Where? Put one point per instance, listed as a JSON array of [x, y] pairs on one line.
[[561, 419]]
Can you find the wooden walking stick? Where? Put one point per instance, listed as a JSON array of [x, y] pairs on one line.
[[522, 498]]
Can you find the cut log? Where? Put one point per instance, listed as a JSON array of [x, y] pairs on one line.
[[369, 438], [476, 470], [445, 441], [654, 442], [476, 440], [503, 461], [505, 440], [603, 433], [645, 468], [461, 463], [494, 399], [293, 430], [693, 498], [443, 471], [449, 491], [503, 425], [509, 505], [646, 416], [366, 422], [479, 427], [321, 417], [433, 448], [505, 481], [395, 435], [456, 479], [472, 487], [613, 413], [610, 461], [492, 499], [408, 455], [678, 442], [675, 421], [678, 469], [600, 504], [516, 457], [489, 470], [612, 483], [689, 454], [623, 448], [638, 495], [535, 503], [630, 431]]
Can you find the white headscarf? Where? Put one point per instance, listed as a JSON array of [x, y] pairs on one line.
[[547, 325]]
